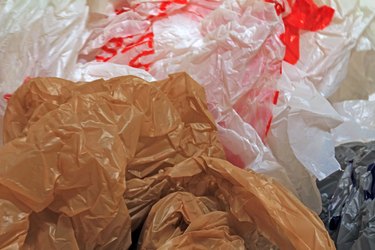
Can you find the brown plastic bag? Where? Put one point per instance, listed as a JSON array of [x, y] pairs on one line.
[[70, 148], [256, 213]]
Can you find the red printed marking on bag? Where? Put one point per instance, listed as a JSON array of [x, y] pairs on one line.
[[116, 45]]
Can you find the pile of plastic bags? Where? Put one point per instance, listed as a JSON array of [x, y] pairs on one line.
[[285, 80], [83, 165]]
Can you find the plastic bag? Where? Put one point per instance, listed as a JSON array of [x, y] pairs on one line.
[[83, 164], [70, 147], [172, 41], [325, 54], [360, 80], [95, 70], [358, 122], [39, 38], [261, 214], [349, 197], [300, 135]]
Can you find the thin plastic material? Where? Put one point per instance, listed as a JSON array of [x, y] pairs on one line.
[[184, 220], [300, 133], [39, 38], [300, 136], [95, 70], [69, 148], [192, 41], [304, 15], [349, 197], [359, 82], [325, 54], [359, 121], [248, 220]]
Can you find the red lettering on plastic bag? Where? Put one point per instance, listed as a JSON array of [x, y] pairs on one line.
[[305, 15], [117, 45]]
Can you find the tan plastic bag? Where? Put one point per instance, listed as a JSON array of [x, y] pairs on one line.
[[69, 146], [256, 212]]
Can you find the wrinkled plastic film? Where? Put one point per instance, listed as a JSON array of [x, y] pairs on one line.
[[348, 197], [96, 130]]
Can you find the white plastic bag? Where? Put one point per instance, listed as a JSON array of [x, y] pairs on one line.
[[359, 121], [325, 54], [38, 38], [95, 70]]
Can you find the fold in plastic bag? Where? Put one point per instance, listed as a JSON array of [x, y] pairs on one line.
[[325, 54], [184, 220], [69, 148], [95, 70], [349, 197], [300, 137], [359, 121], [254, 218], [300, 15]]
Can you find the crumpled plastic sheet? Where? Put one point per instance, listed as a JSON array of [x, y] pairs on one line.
[[329, 50], [238, 66], [349, 197], [300, 137], [39, 38], [359, 121], [96, 70], [303, 119], [360, 80], [359, 83], [84, 164], [210, 215], [302, 15], [70, 146]]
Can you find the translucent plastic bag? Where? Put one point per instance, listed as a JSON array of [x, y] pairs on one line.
[[325, 53], [358, 125], [204, 213], [39, 38], [70, 149]]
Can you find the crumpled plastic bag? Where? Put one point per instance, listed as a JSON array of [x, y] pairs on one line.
[[39, 38], [359, 121], [237, 65], [183, 220], [359, 82], [300, 137], [300, 133], [349, 197], [69, 148], [254, 218], [325, 54]]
